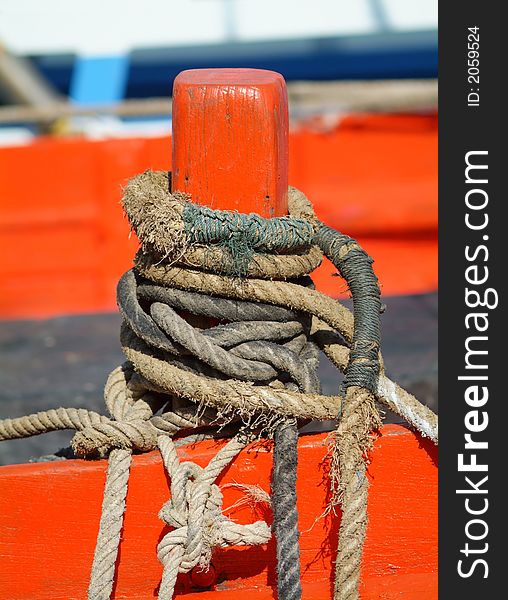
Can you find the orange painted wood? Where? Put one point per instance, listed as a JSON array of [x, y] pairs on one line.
[[64, 242], [49, 514], [230, 139], [371, 176]]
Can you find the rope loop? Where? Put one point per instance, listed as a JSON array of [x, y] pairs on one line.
[[243, 238]]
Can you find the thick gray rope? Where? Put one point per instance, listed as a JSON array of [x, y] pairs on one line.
[[285, 513], [224, 309], [258, 359]]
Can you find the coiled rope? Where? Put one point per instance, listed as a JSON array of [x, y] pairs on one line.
[[255, 369]]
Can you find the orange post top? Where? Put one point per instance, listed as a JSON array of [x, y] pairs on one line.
[[230, 139]]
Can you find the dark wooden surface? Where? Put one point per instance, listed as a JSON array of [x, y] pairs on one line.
[[64, 361]]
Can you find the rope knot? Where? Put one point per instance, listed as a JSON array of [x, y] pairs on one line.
[[195, 513], [130, 426]]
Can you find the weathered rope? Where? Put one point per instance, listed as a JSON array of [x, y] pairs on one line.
[[353, 440], [330, 314], [255, 369], [110, 527], [195, 513], [388, 393], [247, 350], [285, 513]]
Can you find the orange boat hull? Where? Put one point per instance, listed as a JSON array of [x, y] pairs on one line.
[[49, 515]]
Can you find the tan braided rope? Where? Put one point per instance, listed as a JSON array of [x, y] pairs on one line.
[[353, 439], [110, 526], [122, 405], [156, 216], [195, 513], [49, 420], [279, 293], [244, 398]]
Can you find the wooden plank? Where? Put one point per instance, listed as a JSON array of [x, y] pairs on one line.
[[49, 515]]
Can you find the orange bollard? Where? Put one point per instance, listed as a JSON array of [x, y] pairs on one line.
[[230, 139]]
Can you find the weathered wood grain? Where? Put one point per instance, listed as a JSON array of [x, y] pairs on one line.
[[230, 139]]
